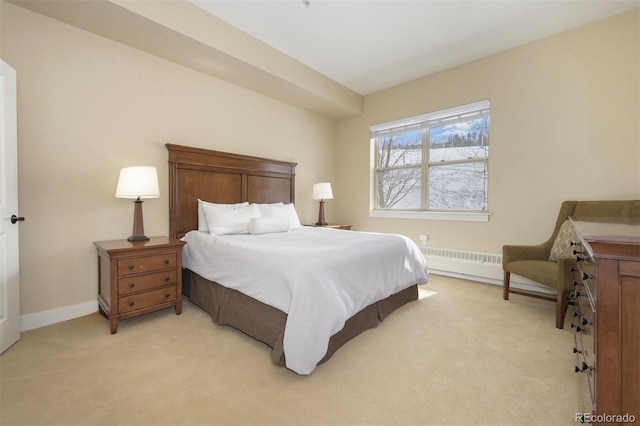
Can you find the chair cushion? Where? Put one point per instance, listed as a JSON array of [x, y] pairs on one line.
[[540, 271], [561, 248]]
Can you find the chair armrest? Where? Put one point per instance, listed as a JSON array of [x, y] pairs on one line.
[[512, 253]]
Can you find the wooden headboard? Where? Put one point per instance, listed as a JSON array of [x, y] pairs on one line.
[[221, 177]]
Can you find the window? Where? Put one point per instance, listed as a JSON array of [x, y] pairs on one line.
[[433, 165]]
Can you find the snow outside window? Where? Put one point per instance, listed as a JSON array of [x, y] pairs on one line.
[[433, 166]]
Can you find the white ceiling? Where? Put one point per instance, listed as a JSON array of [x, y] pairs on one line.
[[370, 45]]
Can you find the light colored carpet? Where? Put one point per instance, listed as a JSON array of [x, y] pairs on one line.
[[461, 356]]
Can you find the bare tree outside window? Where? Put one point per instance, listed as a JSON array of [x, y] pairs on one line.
[[399, 170]]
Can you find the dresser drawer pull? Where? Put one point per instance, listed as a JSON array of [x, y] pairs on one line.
[[584, 368], [576, 283], [131, 285], [131, 303], [131, 267], [166, 262], [586, 276], [576, 350], [577, 327], [167, 295], [575, 294], [583, 320], [166, 279]]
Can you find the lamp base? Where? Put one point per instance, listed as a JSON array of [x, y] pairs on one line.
[[138, 238], [321, 221], [138, 223]]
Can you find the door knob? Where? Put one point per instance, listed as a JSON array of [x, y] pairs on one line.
[[15, 219]]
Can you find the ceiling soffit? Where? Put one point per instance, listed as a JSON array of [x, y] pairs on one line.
[[182, 33]]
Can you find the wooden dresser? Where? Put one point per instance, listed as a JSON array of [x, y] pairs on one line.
[[139, 277], [607, 317]]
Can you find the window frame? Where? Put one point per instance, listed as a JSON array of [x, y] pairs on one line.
[[425, 122]]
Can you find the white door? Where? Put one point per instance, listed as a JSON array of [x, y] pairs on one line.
[[9, 219]]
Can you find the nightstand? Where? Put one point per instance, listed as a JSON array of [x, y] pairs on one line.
[[345, 227], [135, 278]]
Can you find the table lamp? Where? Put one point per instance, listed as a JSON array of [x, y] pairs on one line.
[[322, 191], [137, 183]]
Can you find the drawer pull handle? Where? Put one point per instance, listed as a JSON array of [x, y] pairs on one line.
[[166, 262], [577, 327], [166, 296], [576, 283], [584, 368], [166, 278], [586, 276], [131, 267], [576, 350], [131, 285], [131, 303]]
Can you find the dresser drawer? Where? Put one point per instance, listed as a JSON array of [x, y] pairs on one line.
[[138, 265], [587, 272], [585, 364], [586, 315], [137, 283], [147, 299]]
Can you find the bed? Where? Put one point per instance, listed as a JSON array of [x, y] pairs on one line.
[[226, 178]]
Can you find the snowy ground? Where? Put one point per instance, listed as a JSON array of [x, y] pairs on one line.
[[451, 186]]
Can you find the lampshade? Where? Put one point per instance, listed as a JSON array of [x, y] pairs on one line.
[[322, 191], [138, 181]]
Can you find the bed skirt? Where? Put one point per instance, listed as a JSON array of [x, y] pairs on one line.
[[266, 323]]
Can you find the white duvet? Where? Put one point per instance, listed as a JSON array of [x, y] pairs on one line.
[[320, 277]]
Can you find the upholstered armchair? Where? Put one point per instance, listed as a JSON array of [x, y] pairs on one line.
[[533, 262]]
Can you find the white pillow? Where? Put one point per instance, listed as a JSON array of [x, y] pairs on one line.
[[202, 222], [267, 225], [230, 220], [265, 209], [281, 210]]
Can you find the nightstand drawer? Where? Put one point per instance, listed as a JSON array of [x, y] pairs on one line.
[[144, 300], [136, 283], [138, 265]]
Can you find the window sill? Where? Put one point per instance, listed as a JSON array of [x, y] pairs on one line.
[[455, 216]]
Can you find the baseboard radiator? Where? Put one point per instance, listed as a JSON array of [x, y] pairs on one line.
[[475, 266]]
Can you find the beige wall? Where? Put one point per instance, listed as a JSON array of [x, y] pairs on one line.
[[564, 125], [88, 106]]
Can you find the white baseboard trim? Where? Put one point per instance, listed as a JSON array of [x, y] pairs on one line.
[[516, 282], [44, 318]]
